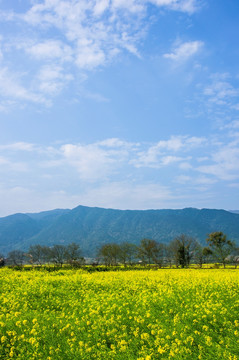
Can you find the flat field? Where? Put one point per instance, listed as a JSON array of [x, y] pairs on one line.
[[141, 315]]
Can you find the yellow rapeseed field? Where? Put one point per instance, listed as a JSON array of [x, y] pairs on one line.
[[141, 315]]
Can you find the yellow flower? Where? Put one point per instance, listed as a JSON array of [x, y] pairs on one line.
[[161, 350], [3, 339]]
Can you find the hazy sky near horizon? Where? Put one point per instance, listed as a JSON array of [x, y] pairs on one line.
[[128, 104]]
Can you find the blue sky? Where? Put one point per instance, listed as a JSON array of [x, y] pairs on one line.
[[128, 104]]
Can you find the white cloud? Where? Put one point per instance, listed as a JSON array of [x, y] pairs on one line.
[[93, 162], [224, 163], [160, 155], [188, 6], [134, 6], [50, 49], [99, 160], [6, 105], [21, 199], [174, 143], [18, 146], [203, 180], [12, 166], [169, 159], [84, 93], [125, 195], [185, 165], [220, 91], [183, 179], [118, 195], [10, 87], [51, 79], [77, 36], [116, 173], [95, 30], [117, 143], [235, 106], [3, 161], [215, 99], [90, 57], [202, 158], [218, 98], [184, 51], [100, 7]]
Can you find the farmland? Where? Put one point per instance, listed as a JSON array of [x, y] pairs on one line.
[[141, 315]]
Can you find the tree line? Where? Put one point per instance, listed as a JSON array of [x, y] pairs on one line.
[[39, 255], [181, 252]]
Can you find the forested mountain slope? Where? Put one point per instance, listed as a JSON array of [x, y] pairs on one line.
[[92, 227]]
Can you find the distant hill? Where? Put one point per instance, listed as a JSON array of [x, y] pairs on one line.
[[17, 228], [92, 227]]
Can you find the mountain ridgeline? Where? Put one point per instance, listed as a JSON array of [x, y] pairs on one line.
[[93, 227]]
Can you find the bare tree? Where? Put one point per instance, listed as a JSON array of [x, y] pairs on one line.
[[73, 254], [58, 254], [147, 250], [46, 254], [158, 254], [127, 252], [109, 253], [169, 254], [234, 258], [16, 257], [36, 253]]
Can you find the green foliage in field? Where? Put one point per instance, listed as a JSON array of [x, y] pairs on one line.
[[141, 315]]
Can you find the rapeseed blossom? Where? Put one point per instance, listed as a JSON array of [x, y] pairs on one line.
[[148, 315]]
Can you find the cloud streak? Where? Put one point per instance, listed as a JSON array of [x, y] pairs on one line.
[[184, 51], [72, 36], [163, 153], [116, 173]]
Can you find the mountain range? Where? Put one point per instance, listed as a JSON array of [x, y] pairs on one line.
[[91, 227]]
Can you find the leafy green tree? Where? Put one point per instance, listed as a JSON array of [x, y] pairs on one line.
[[220, 246], [184, 248], [207, 254]]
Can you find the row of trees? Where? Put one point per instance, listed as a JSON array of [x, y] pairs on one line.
[[181, 251], [38, 254]]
